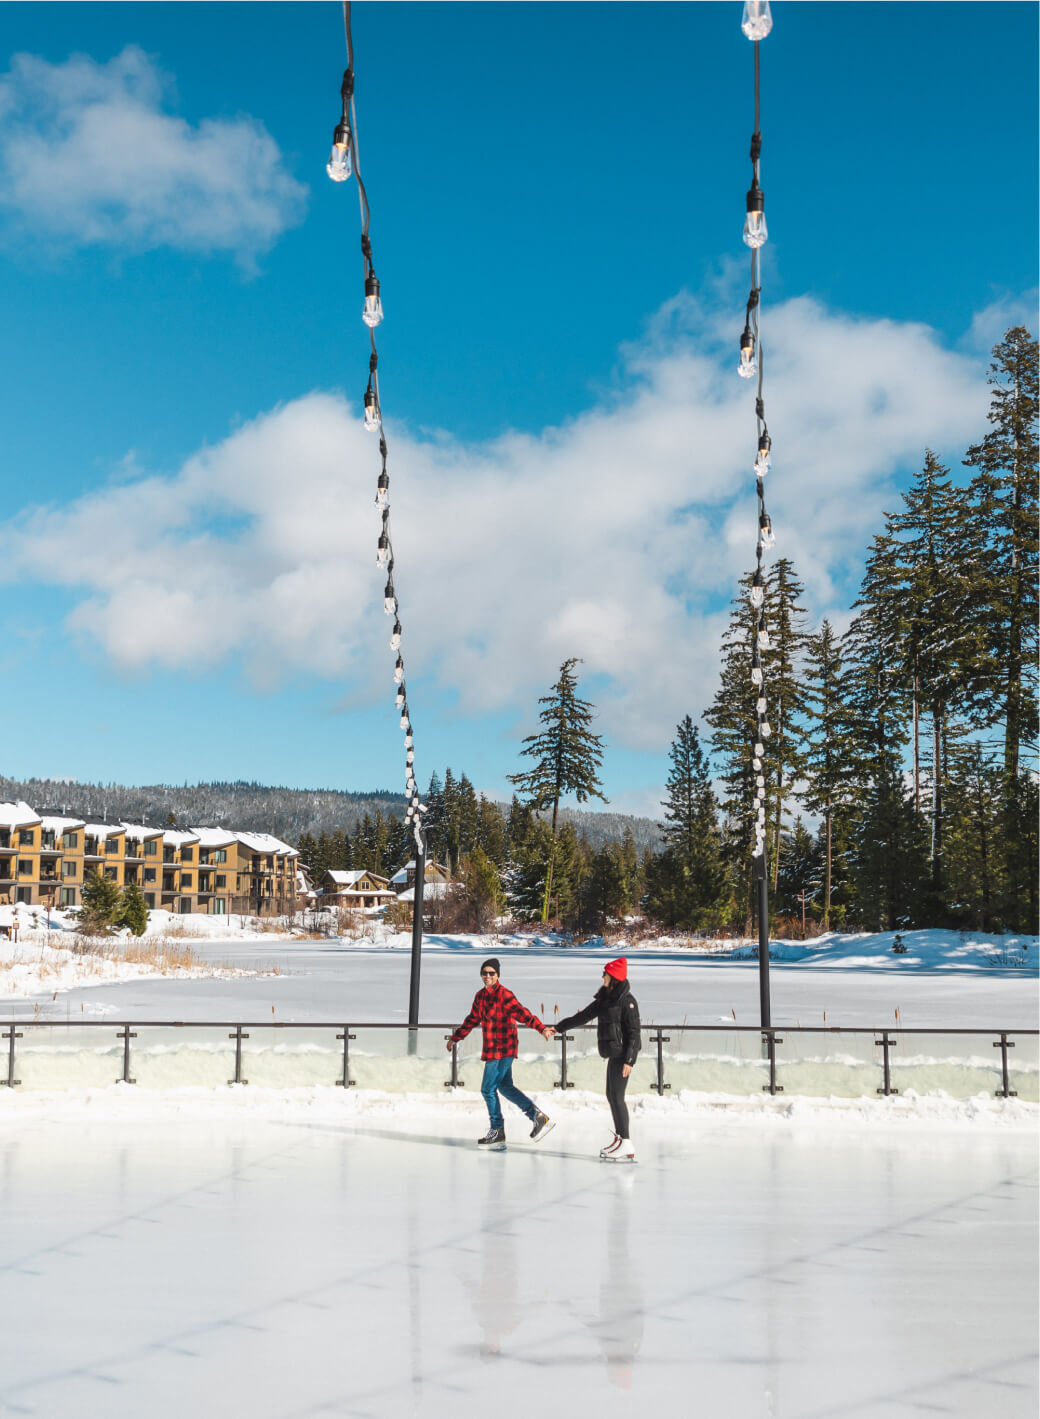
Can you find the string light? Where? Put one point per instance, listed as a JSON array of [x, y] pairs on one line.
[[344, 162], [756, 23]]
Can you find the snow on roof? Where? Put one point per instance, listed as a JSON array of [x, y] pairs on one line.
[[176, 838], [214, 837], [401, 876], [431, 889], [264, 842], [103, 830], [344, 879], [361, 894], [17, 815], [61, 825], [139, 832]]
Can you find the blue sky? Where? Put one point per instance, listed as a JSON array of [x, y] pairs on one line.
[[187, 577]]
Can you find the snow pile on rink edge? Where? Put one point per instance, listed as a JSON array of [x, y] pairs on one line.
[[464, 1111]]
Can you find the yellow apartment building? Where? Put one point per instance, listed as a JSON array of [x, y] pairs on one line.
[[45, 860]]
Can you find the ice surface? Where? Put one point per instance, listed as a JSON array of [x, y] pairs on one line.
[[225, 1253]]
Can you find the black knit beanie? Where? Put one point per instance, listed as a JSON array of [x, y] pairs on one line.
[[492, 961]]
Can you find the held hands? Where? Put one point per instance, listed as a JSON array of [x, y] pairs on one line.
[[548, 1031]]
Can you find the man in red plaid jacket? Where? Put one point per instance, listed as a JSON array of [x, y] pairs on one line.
[[498, 1012]]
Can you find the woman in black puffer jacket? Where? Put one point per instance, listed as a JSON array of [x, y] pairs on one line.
[[616, 1014]]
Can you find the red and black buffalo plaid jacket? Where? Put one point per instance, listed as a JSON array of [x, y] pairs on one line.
[[497, 1011]]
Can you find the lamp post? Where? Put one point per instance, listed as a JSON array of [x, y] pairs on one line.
[[417, 923]]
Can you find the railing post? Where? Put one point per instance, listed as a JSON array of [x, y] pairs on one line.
[[454, 1082], [771, 1042], [562, 1082], [238, 1037], [12, 1035], [1003, 1044], [346, 1082], [661, 1086], [126, 1035], [886, 1043]]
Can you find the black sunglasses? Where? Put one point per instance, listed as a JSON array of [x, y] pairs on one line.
[[489, 973]]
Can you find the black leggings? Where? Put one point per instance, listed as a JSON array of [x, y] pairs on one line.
[[616, 1086]]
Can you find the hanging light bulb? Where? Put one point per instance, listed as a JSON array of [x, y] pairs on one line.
[[760, 781], [409, 742], [390, 607], [372, 416], [383, 551], [383, 490], [760, 705], [339, 166], [404, 719], [757, 20], [763, 638], [748, 367], [765, 531], [756, 675], [757, 591], [409, 758], [756, 763], [755, 233], [764, 729], [372, 314], [399, 697], [760, 749], [763, 462], [395, 639], [399, 671]]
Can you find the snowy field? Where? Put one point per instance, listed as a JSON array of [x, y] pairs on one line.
[[317, 1251]]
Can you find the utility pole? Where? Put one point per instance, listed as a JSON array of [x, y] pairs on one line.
[[417, 925]]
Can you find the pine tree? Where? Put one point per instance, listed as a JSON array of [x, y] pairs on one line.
[[132, 911], [100, 904], [491, 831], [468, 816], [798, 879], [567, 756], [482, 889], [829, 750], [786, 617], [434, 825], [690, 886]]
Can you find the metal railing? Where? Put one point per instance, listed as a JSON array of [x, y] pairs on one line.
[[765, 1056]]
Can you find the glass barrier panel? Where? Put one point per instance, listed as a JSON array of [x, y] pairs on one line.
[[274, 1057], [717, 1061], [960, 1066], [179, 1056], [1023, 1066], [68, 1057], [826, 1065]]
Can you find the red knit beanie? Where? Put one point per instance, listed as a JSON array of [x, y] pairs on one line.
[[618, 969]]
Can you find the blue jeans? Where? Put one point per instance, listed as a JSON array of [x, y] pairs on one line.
[[498, 1079]]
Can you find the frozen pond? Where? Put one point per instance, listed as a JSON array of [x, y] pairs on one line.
[[335, 981], [170, 1259]]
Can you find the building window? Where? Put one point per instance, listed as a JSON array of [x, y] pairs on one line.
[[185, 881], [111, 845], [185, 904], [221, 881], [26, 837], [149, 900], [220, 855], [151, 847], [219, 906], [23, 894], [25, 867], [71, 841], [68, 896], [110, 874], [68, 869], [149, 874], [187, 854], [46, 839]]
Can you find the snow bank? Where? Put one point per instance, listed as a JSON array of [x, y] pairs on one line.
[[451, 1112], [35, 968]]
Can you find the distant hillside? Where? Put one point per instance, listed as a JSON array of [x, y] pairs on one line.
[[286, 812]]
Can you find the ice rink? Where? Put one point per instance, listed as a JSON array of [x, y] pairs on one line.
[[161, 1260]]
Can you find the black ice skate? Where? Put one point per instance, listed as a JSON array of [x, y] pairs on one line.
[[542, 1124], [494, 1141]]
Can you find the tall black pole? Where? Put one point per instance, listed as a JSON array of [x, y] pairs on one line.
[[417, 916], [763, 948]]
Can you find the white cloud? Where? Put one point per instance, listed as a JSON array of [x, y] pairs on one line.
[[618, 537], [87, 156], [992, 323]]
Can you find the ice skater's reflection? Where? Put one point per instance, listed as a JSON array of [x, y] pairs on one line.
[[619, 1326], [494, 1292]]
